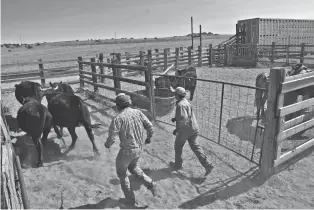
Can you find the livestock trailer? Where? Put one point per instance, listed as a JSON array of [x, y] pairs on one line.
[[264, 31]]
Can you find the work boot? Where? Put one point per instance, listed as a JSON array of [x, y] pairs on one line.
[[208, 169], [127, 203], [175, 166], [152, 188]]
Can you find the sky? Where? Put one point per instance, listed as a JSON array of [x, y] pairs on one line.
[[61, 20]]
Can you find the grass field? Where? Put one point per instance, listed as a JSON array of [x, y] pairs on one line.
[[234, 182]]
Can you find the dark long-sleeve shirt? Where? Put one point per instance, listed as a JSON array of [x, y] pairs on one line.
[[128, 126], [185, 120]]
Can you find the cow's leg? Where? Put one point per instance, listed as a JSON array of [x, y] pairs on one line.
[[192, 94], [59, 136], [39, 146], [92, 139], [73, 136], [61, 131]]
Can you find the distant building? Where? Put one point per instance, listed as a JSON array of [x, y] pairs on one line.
[[264, 31]]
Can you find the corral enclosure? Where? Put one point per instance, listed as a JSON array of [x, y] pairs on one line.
[[239, 113]]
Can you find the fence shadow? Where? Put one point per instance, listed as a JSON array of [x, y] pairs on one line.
[[247, 182], [244, 128]]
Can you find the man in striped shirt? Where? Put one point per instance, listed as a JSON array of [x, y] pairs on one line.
[[128, 126]]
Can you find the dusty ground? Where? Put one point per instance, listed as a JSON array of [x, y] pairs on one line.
[[87, 183]]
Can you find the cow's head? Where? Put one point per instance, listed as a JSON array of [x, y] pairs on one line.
[[56, 86], [50, 93], [28, 89]]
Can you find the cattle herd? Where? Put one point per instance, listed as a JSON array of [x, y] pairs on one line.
[[65, 109]]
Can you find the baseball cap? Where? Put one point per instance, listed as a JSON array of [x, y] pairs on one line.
[[122, 99], [180, 91]]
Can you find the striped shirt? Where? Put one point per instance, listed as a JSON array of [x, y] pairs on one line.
[[128, 126]]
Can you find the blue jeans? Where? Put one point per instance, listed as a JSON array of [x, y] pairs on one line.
[[128, 160], [196, 148]]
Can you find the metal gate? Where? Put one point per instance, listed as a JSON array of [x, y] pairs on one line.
[[242, 55], [226, 115]]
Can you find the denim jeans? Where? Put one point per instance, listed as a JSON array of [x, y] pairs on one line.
[[128, 160], [198, 151]]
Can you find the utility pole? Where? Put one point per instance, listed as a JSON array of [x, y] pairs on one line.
[[192, 30]]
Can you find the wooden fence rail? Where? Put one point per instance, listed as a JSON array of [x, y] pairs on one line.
[[277, 128], [13, 189]]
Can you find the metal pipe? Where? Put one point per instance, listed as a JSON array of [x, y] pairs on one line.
[[221, 108], [201, 36], [192, 30]]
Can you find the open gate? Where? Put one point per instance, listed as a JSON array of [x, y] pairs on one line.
[[226, 115]]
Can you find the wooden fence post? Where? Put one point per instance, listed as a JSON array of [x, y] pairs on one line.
[[80, 59], [41, 71], [141, 58], [165, 59], [157, 52], [176, 64], [94, 78], [302, 53], [226, 55], [272, 52], [199, 56], [190, 55], [210, 55], [101, 60], [127, 57], [269, 148], [288, 54], [117, 72], [150, 88]]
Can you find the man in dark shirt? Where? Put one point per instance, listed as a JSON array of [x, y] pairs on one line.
[[128, 126], [186, 129]]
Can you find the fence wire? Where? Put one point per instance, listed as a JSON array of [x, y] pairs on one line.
[[226, 115]]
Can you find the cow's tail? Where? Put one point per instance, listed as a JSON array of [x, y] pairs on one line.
[[83, 116]]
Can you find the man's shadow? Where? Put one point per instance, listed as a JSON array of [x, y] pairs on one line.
[[158, 175], [109, 203]]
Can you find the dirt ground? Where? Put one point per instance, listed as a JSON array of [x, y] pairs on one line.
[[89, 183]]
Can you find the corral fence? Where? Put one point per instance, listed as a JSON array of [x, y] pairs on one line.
[[225, 104], [214, 101], [222, 55], [226, 112], [278, 126], [13, 189], [40, 70]]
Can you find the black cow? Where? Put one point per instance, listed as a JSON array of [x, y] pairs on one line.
[[172, 82], [28, 89], [35, 119], [69, 111], [62, 87]]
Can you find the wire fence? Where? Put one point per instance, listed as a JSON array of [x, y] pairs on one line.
[[226, 115]]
